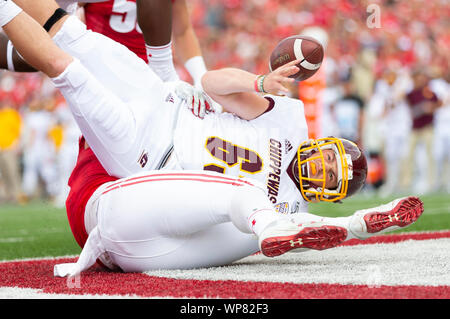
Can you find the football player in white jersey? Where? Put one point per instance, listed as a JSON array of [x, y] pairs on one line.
[[262, 142], [151, 122], [129, 118], [133, 122]]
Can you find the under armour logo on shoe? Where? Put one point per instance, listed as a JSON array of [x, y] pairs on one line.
[[391, 218], [298, 242]]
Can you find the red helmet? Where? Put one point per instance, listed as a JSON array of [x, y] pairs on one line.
[[351, 164]]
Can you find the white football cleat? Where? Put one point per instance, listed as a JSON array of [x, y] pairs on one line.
[[283, 236], [397, 214]]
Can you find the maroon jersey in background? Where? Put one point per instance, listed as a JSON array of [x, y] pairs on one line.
[[420, 100]]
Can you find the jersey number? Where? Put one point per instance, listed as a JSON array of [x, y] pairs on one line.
[[124, 17], [232, 154]]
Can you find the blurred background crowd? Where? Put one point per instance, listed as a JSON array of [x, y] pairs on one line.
[[384, 84]]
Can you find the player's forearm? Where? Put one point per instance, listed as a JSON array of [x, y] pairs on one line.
[[228, 81], [36, 46], [186, 45], [233, 90], [184, 38]]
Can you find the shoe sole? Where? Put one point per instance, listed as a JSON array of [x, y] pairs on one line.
[[406, 212], [318, 238]]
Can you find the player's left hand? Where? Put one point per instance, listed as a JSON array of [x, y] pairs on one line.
[[196, 99]]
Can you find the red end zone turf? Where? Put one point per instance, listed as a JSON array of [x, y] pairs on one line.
[[38, 274]]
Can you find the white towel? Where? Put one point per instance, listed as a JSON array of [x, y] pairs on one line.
[[91, 251]]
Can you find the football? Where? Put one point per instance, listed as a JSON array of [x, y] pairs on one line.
[[298, 47]]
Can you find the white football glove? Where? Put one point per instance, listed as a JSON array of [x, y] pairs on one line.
[[196, 99]]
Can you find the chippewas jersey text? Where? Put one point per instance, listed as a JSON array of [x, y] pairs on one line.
[[273, 179]]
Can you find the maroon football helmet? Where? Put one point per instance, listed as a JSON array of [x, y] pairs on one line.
[[351, 169]]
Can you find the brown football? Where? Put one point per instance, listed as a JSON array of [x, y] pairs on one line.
[[298, 47]]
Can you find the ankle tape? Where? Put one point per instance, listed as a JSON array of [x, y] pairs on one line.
[[58, 14]]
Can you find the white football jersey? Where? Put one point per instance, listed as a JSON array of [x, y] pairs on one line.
[[261, 149]]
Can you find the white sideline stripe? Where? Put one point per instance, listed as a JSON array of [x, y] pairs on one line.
[[39, 258], [437, 211], [30, 293], [9, 240], [411, 262]]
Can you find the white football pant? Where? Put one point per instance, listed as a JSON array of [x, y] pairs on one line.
[[173, 219]]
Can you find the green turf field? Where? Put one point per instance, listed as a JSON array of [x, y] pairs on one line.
[[39, 230]]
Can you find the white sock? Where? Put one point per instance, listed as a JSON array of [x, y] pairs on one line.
[[8, 11], [196, 68], [160, 60], [250, 209], [260, 219]]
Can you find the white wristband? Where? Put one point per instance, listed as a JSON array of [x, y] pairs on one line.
[[8, 11], [9, 58], [196, 68]]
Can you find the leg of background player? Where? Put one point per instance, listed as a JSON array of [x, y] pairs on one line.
[[155, 21], [159, 21]]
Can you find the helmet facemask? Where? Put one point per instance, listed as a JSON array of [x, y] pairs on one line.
[[314, 189]]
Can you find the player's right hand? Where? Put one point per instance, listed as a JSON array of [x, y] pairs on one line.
[[275, 81], [196, 99]]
